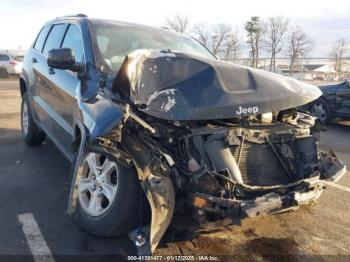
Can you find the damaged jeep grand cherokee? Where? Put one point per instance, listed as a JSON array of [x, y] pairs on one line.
[[154, 123]]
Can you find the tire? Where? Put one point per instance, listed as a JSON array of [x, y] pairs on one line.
[[31, 133], [322, 110], [123, 213]]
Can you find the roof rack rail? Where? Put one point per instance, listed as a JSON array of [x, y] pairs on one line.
[[77, 15]]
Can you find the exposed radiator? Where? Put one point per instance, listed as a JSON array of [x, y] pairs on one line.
[[259, 165]]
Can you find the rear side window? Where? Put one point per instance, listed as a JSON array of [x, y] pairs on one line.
[[55, 38], [4, 58], [73, 40], [39, 43]]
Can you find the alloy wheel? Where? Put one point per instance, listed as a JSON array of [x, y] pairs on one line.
[[320, 111], [98, 184]]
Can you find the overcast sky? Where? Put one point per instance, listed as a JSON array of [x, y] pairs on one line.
[[324, 20]]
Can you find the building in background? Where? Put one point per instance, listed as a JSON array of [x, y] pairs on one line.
[[308, 69], [318, 72]]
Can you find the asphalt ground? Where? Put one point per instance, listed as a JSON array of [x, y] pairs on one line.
[[33, 198]]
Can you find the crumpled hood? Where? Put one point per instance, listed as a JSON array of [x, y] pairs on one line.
[[177, 86]]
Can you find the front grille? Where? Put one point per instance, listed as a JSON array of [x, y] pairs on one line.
[[259, 165]]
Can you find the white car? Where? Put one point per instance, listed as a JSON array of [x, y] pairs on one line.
[[12, 63]]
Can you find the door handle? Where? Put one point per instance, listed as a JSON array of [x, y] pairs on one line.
[[34, 60], [51, 71]]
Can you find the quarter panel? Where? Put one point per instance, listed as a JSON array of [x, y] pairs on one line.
[[343, 102]]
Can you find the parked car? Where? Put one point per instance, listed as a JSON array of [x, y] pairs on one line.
[[334, 102], [146, 112], [12, 64]]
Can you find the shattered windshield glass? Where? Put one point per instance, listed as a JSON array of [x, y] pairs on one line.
[[114, 42]]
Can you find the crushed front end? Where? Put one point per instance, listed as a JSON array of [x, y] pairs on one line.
[[216, 140], [261, 169], [243, 167], [224, 168]]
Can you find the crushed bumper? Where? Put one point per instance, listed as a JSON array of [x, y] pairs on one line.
[[333, 171], [275, 203], [306, 192]]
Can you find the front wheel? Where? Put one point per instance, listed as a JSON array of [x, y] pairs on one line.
[[321, 109], [108, 196]]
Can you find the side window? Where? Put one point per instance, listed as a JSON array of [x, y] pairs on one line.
[[55, 38], [4, 58], [39, 43], [73, 40]]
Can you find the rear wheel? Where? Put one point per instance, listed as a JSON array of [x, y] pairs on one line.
[[108, 196], [31, 133], [321, 109]]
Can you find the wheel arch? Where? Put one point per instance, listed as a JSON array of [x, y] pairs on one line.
[[321, 98], [80, 136], [22, 86], [79, 130], [329, 107]]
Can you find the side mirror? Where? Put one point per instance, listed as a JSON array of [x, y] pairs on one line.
[[63, 58]]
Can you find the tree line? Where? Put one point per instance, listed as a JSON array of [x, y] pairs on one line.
[[272, 36]]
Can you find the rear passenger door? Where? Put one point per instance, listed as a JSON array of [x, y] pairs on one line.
[[34, 64]]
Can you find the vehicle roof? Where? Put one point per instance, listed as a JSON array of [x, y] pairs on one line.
[[65, 18], [99, 21], [116, 22]]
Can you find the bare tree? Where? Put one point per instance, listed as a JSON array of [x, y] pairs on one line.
[[255, 30], [202, 32], [220, 32], [339, 51], [178, 23], [276, 29], [232, 46], [219, 38], [299, 46]]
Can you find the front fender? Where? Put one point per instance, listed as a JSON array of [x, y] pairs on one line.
[[100, 115], [73, 193], [96, 117], [157, 187]]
